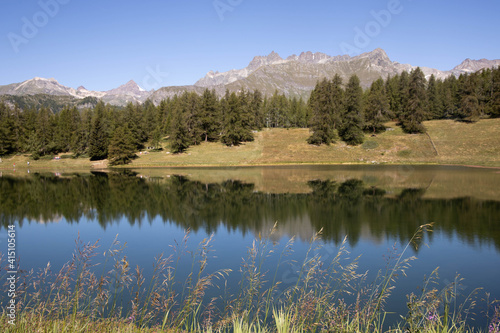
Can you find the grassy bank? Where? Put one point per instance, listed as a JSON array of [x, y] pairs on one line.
[[446, 142], [328, 295]]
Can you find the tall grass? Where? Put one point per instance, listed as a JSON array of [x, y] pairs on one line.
[[327, 295]]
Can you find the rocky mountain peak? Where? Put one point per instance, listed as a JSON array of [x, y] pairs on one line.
[[377, 57], [260, 61], [471, 65], [129, 88], [309, 57]]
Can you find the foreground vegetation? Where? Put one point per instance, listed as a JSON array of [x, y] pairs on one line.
[[328, 295]]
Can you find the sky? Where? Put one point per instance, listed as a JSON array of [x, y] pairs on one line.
[[103, 44]]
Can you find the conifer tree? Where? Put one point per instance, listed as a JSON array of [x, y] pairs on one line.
[[435, 100], [494, 101], [326, 105], [377, 110], [180, 139], [98, 139], [209, 115], [351, 129], [7, 140], [235, 129], [257, 108], [469, 106], [415, 108], [121, 149]]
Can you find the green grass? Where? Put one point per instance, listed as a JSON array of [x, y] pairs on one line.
[[76, 299], [447, 142]]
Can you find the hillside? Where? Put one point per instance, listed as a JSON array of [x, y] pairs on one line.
[[454, 143]]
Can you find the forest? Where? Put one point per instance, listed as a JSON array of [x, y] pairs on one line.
[[335, 111]]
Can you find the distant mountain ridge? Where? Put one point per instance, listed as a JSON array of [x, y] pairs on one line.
[[295, 75], [129, 92]]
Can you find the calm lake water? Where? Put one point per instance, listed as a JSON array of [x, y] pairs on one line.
[[376, 207]]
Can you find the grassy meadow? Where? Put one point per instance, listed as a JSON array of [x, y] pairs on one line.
[[446, 142]]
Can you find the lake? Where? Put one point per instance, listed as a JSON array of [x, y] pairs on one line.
[[377, 209]]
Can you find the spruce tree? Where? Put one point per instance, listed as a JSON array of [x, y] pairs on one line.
[[435, 98], [121, 148], [377, 109], [209, 114], [7, 140], [494, 100], [98, 139], [415, 107], [235, 129], [326, 107], [469, 105], [351, 129], [180, 139], [257, 108]]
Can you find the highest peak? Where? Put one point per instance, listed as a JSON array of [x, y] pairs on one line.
[[378, 55]]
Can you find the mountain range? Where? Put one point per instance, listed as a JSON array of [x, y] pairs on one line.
[[294, 76]]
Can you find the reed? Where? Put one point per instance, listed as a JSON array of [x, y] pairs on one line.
[[327, 295]]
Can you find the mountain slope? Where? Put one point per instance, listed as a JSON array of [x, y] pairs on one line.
[[293, 76]]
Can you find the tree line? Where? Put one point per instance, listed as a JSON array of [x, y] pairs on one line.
[[334, 111]]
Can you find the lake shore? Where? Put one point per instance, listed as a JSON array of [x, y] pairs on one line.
[[447, 142]]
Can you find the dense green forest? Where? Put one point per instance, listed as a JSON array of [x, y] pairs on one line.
[[335, 110]]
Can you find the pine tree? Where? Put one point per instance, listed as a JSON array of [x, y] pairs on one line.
[[377, 110], [469, 106], [121, 149], [435, 100], [191, 105], [326, 106], [351, 129], [246, 115], [131, 118], [494, 101], [235, 129], [44, 132], [209, 114], [257, 108], [98, 139], [415, 108], [180, 139], [449, 92], [7, 140]]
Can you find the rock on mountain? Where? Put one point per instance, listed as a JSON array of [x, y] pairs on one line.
[[469, 65], [293, 76], [297, 75], [129, 92]]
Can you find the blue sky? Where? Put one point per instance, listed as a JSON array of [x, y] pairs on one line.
[[103, 44]]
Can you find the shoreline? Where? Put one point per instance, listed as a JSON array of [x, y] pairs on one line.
[[215, 166]]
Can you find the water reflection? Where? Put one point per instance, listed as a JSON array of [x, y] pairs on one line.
[[350, 206]]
